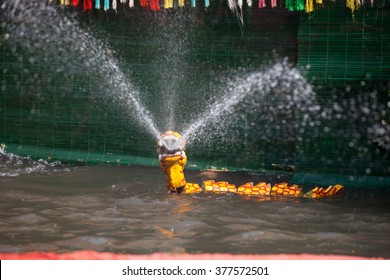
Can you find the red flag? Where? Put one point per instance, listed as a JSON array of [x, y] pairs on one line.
[[155, 5], [87, 5], [262, 4], [144, 3]]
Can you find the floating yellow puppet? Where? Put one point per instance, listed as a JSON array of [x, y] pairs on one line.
[[172, 158]]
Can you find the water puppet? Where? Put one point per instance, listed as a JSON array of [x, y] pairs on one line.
[[172, 158]]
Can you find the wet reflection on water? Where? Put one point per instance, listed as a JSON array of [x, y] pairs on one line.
[[127, 210]]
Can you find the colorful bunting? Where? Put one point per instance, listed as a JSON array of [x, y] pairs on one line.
[[155, 5], [309, 6], [106, 6], [144, 3], [290, 5], [168, 4], [300, 5], [235, 6], [87, 5], [239, 4], [262, 4], [353, 5]]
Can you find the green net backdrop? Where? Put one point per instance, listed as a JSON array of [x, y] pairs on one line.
[[62, 115], [346, 57]]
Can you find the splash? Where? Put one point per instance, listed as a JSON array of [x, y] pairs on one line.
[[174, 33], [12, 165], [65, 46], [242, 95], [68, 47]]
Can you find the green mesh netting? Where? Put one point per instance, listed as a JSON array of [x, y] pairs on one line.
[[54, 103], [346, 57]]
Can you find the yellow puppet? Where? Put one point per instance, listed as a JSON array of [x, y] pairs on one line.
[[172, 157]]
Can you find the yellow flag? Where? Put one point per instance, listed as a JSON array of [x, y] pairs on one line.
[[168, 4], [353, 5], [309, 6]]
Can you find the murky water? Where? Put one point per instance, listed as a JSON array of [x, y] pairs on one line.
[[127, 210]]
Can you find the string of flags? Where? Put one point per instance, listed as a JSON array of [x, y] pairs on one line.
[[235, 5]]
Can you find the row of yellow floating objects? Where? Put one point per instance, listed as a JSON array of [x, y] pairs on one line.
[[155, 5], [263, 189]]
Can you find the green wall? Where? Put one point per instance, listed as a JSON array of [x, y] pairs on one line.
[[347, 57]]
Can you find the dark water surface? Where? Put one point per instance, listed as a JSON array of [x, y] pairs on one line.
[[127, 210]]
